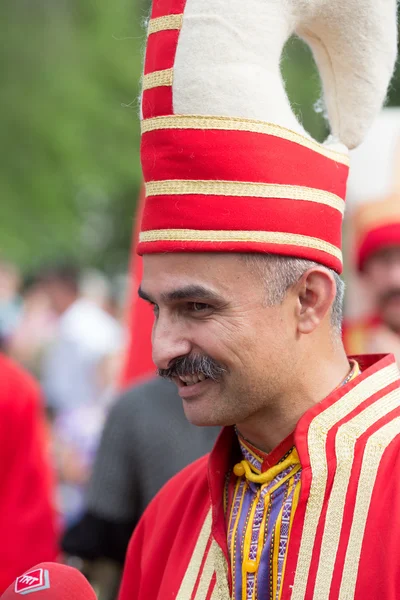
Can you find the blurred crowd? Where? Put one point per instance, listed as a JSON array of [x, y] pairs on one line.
[[96, 468], [64, 326]]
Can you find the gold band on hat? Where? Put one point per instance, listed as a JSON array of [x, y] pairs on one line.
[[165, 23], [238, 124], [260, 237], [239, 188], [158, 79]]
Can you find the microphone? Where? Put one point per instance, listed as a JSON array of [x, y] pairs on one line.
[[50, 581]]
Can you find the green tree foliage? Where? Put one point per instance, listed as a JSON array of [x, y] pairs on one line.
[[69, 172], [69, 129]]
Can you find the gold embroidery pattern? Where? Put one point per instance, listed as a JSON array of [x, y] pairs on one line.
[[238, 124], [317, 435], [221, 590], [260, 237], [239, 188], [206, 576], [345, 442], [374, 450], [165, 23], [192, 572], [158, 79]]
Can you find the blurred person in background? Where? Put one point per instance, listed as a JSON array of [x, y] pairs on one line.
[[10, 301], [86, 335], [35, 327], [377, 233], [96, 286], [28, 523], [146, 440], [78, 378]]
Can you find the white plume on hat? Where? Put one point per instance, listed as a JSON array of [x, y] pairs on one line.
[[229, 52]]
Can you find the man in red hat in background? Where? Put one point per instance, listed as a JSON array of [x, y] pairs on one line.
[[377, 233], [241, 245]]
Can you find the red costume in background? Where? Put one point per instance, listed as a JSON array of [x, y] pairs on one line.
[[27, 516], [376, 226]]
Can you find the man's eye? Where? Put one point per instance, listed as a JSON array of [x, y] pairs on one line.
[[198, 306]]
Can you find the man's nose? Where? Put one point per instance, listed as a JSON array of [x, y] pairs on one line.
[[169, 342]]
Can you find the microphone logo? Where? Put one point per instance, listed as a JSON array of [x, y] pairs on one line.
[[32, 581]]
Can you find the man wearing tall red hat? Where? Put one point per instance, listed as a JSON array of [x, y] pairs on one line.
[[377, 234], [241, 245]]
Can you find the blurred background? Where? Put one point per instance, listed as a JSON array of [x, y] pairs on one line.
[[69, 186]]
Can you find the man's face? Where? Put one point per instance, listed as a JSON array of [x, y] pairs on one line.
[[211, 310], [382, 275]]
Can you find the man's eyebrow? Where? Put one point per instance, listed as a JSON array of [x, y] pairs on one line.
[[191, 291], [188, 291]]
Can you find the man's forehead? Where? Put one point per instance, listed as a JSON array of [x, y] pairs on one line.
[[207, 266], [184, 259], [163, 273]]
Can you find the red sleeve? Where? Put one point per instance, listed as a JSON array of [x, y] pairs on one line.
[[27, 515], [132, 579], [166, 535]]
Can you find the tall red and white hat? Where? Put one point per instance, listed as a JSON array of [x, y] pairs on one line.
[[227, 166]]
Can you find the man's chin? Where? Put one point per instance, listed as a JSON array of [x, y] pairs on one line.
[[200, 419], [205, 414], [200, 411]]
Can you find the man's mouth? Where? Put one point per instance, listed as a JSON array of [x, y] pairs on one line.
[[189, 380]]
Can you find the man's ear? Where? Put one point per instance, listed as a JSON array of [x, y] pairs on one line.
[[316, 292]]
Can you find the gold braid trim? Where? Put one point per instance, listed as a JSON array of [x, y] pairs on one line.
[[374, 450], [317, 435], [238, 124], [193, 570], [165, 23], [221, 590], [206, 576], [158, 79], [240, 188], [345, 442], [260, 237]]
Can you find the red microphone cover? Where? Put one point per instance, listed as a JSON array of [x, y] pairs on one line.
[[50, 581]]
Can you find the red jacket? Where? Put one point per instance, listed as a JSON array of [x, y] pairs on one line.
[[27, 518], [344, 542]]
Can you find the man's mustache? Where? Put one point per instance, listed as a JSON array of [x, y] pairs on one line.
[[391, 294], [194, 365]]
